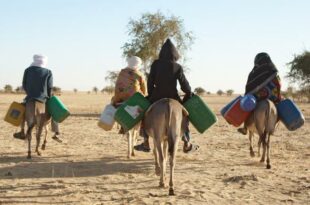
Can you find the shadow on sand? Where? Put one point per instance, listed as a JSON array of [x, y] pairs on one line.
[[22, 168]]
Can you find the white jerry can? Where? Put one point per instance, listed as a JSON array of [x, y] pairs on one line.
[[106, 121]]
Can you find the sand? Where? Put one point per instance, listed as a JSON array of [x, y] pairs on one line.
[[91, 167]]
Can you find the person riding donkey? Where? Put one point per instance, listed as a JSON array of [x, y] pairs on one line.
[[129, 81], [162, 83], [263, 81], [38, 84]]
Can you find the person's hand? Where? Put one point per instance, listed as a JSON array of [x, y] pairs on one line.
[[187, 97]]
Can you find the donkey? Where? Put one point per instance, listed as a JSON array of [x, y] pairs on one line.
[[165, 121], [262, 121], [36, 115]]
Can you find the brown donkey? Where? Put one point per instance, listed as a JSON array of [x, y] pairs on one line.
[[36, 115], [262, 121], [165, 121]]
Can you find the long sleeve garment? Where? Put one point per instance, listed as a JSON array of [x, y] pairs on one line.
[[38, 83]]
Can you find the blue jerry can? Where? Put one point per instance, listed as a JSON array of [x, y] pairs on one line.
[[290, 115]]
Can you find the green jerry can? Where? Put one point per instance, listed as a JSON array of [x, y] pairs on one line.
[[132, 111], [200, 114], [57, 109]]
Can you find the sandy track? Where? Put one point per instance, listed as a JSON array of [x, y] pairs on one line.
[[90, 166]]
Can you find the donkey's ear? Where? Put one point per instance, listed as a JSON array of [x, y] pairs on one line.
[[185, 112]]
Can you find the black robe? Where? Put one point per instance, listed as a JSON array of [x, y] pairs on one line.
[[263, 72], [164, 74]]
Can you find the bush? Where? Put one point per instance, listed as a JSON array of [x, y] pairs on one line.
[[8, 88], [199, 91], [220, 92]]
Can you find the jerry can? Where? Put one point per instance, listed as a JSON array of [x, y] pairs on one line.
[[57, 109], [290, 115], [106, 120], [132, 111], [200, 115], [15, 114]]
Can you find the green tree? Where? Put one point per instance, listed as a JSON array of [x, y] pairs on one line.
[[19, 89], [300, 69], [8, 88], [56, 90], [95, 89], [111, 77], [148, 34], [220, 92], [230, 92], [199, 91], [108, 89]]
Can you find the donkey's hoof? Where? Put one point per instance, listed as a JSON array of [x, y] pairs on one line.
[[252, 154], [157, 171], [268, 166], [43, 147], [162, 185], [29, 157], [171, 192], [38, 153]]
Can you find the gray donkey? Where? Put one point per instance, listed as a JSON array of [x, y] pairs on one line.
[[165, 121], [262, 121]]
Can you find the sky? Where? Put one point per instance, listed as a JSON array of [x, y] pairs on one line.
[[83, 38]]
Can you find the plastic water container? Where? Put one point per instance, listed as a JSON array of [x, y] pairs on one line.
[[234, 114], [57, 109], [224, 109], [200, 115], [290, 115], [132, 111], [107, 121], [248, 103], [15, 114]]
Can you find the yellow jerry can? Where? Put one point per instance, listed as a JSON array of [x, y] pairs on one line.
[[15, 114]]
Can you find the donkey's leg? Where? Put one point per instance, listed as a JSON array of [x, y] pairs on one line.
[[40, 125], [165, 149], [133, 141], [268, 151], [157, 167], [172, 166], [129, 137], [30, 119], [45, 137], [29, 136], [259, 144], [251, 135], [161, 161], [263, 141]]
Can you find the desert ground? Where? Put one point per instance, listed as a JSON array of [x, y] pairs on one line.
[[91, 167]]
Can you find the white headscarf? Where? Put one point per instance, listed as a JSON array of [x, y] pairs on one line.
[[39, 61], [134, 62]]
